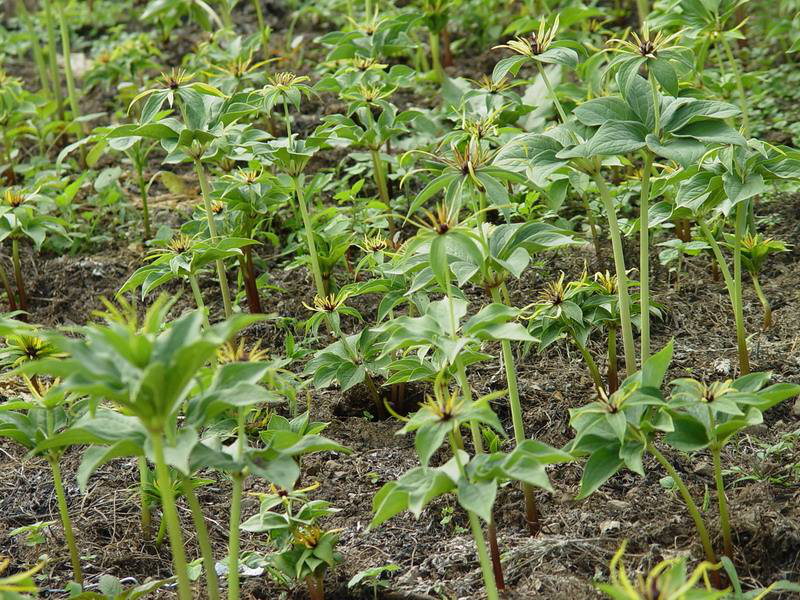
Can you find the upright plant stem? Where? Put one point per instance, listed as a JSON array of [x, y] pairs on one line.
[[52, 58], [312, 246], [143, 196], [730, 284], [198, 298], [36, 47], [203, 540], [23, 295], [383, 187], [722, 501], [644, 256], [236, 512], [212, 229], [764, 301], [643, 10], [531, 510], [590, 363], [171, 518], [477, 441], [622, 276], [12, 302], [262, 28], [737, 74], [741, 334], [227, 21], [66, 522], [436, 59], [613, 376], [551, 91], [477, 534], [144, 502], [68, 74], [687, 498]]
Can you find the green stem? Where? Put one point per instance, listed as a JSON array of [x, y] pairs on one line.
[[145, 207], [23, 295], [622, 276], [198, 298], [262, 28], [51, 51], [203, 539], [66, 522], [477, 534], [741, 334], [551, 91], [236, 511], [68, 74], [288, 120], [687, 498], [12, 302], [722, 500], [212, 229], [171, 517], [592, 225], [227, 21], [436, 59], [144, 502], [36, 47], [730, 284], [764, 302], [644, 255], [162, 530], [590, 363], [739, 85], [613, 376], [531, 510], [383, 187], [643, 10], [312, 246]]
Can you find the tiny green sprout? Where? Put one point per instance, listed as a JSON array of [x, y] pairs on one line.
[[34, 534], [374, 578]]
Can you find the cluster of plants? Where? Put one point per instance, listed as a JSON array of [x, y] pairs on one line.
[[587, 133]]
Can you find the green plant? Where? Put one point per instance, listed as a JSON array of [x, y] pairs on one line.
[[23, 215], [34, 534], [31, 424], [617, 430], [726, 183], [672, 581], [474, 479], [126, 365], [14, 586], [675, 251], [755, 249], [373, 578], [305, 551], [112, 588], [182, 257]]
